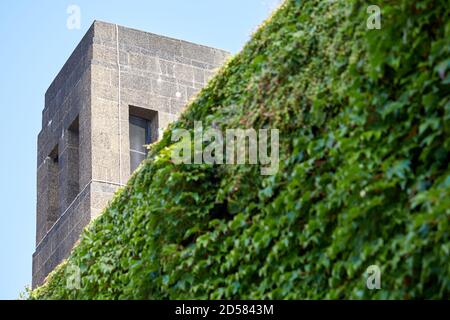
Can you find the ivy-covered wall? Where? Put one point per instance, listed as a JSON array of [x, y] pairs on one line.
[[364, 173]]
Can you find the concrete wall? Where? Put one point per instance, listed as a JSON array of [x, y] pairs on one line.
[[112, 70]]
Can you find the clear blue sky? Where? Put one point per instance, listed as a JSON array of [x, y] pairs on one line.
[[35, 43]]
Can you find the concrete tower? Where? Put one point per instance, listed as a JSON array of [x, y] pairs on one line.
[[116, 92]]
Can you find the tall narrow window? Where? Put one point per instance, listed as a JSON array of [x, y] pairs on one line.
[[140, 135], [72, 157], [51, 201]]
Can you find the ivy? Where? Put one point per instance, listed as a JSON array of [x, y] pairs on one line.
[[364, 172]]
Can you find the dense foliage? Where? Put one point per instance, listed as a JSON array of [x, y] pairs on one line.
[[364, 173]]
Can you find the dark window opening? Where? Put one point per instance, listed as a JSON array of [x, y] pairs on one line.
[[73, 162], [139, 137], [52, 187], [143, 131]]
